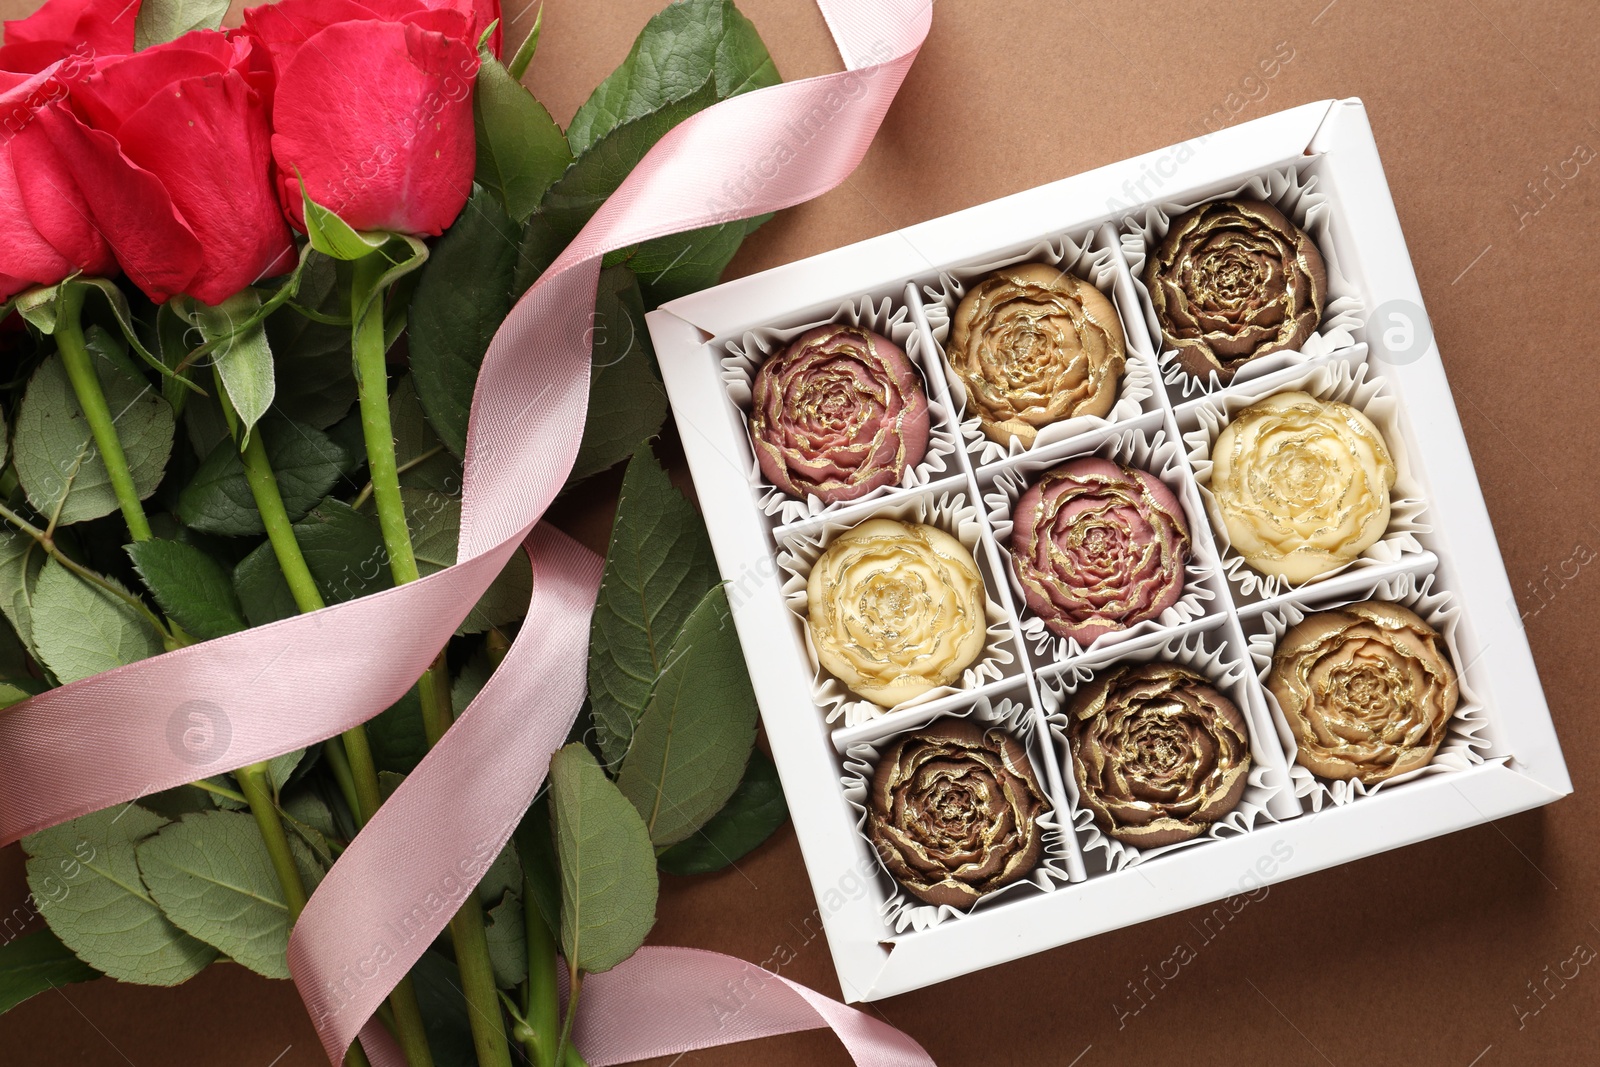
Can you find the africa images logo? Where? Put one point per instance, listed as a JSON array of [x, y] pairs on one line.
[[199, 732]]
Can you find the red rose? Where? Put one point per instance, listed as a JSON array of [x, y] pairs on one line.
[[86, 29], [43, 213], [173, 146], [374, 108]]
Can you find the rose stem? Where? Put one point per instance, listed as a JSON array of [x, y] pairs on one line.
[[257, 789], [372, 382], [358, 763], [86, 384], [542, 1006], [253, 780], [91, 398]]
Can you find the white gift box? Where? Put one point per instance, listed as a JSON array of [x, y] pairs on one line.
[[1321, 162]]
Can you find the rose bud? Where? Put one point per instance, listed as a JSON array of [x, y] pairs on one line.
[[1158, 754], [1302, 484], [43, 212], [1034, 345], [1098, 548], [896, 609], [374, 109], [78, 31], [838, 413], [1235, 280], [953, 812], [1367, 690], [175, 155]]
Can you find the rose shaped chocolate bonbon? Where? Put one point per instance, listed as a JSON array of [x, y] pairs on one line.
[[896, 609], [837, 414], [1367, 690], [953, 812], [1098, 547], [1034, 345], [1235, 280], [1158, 754], [1302, 484]]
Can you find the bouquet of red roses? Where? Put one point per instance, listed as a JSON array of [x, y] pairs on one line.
[[248, 277]]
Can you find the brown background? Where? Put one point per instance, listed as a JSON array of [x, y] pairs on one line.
[[1419, 956]]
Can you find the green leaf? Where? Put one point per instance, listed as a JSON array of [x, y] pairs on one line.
[[211, 874], [470, 682], [423, 460], [37, 306], [435, 523], [752, 814], [120, 311], [204, 425], [658, 566], [444, 1010], [521, 150], [608, 868], [343, 549], [32, 964], [503, 876], [690, 747], [218, 499], [16, 663], [537, 248], [160, 21], [627, 403], [13, 694], [193, 589], [243, 357], [541, 867], [507, 935], [316, 382], [530, 44], [600, 168], [179, 801], [398, 739], [682, 263], [313, 818], [671, 59], [282, 768], [21, 559], [56, 458], [80, 630], [85, 879], [687, 58], [334, 237], [172, 336], [463, 296]]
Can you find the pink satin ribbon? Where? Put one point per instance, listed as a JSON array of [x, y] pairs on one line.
[[120, 735]]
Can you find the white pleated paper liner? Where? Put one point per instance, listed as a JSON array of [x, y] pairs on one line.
[[1297, 196], [902, 911], [1076, 256], [1155, 454], [798, 551], [1464, 746], [743, 357], [1348, 381], [1206, 653]]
